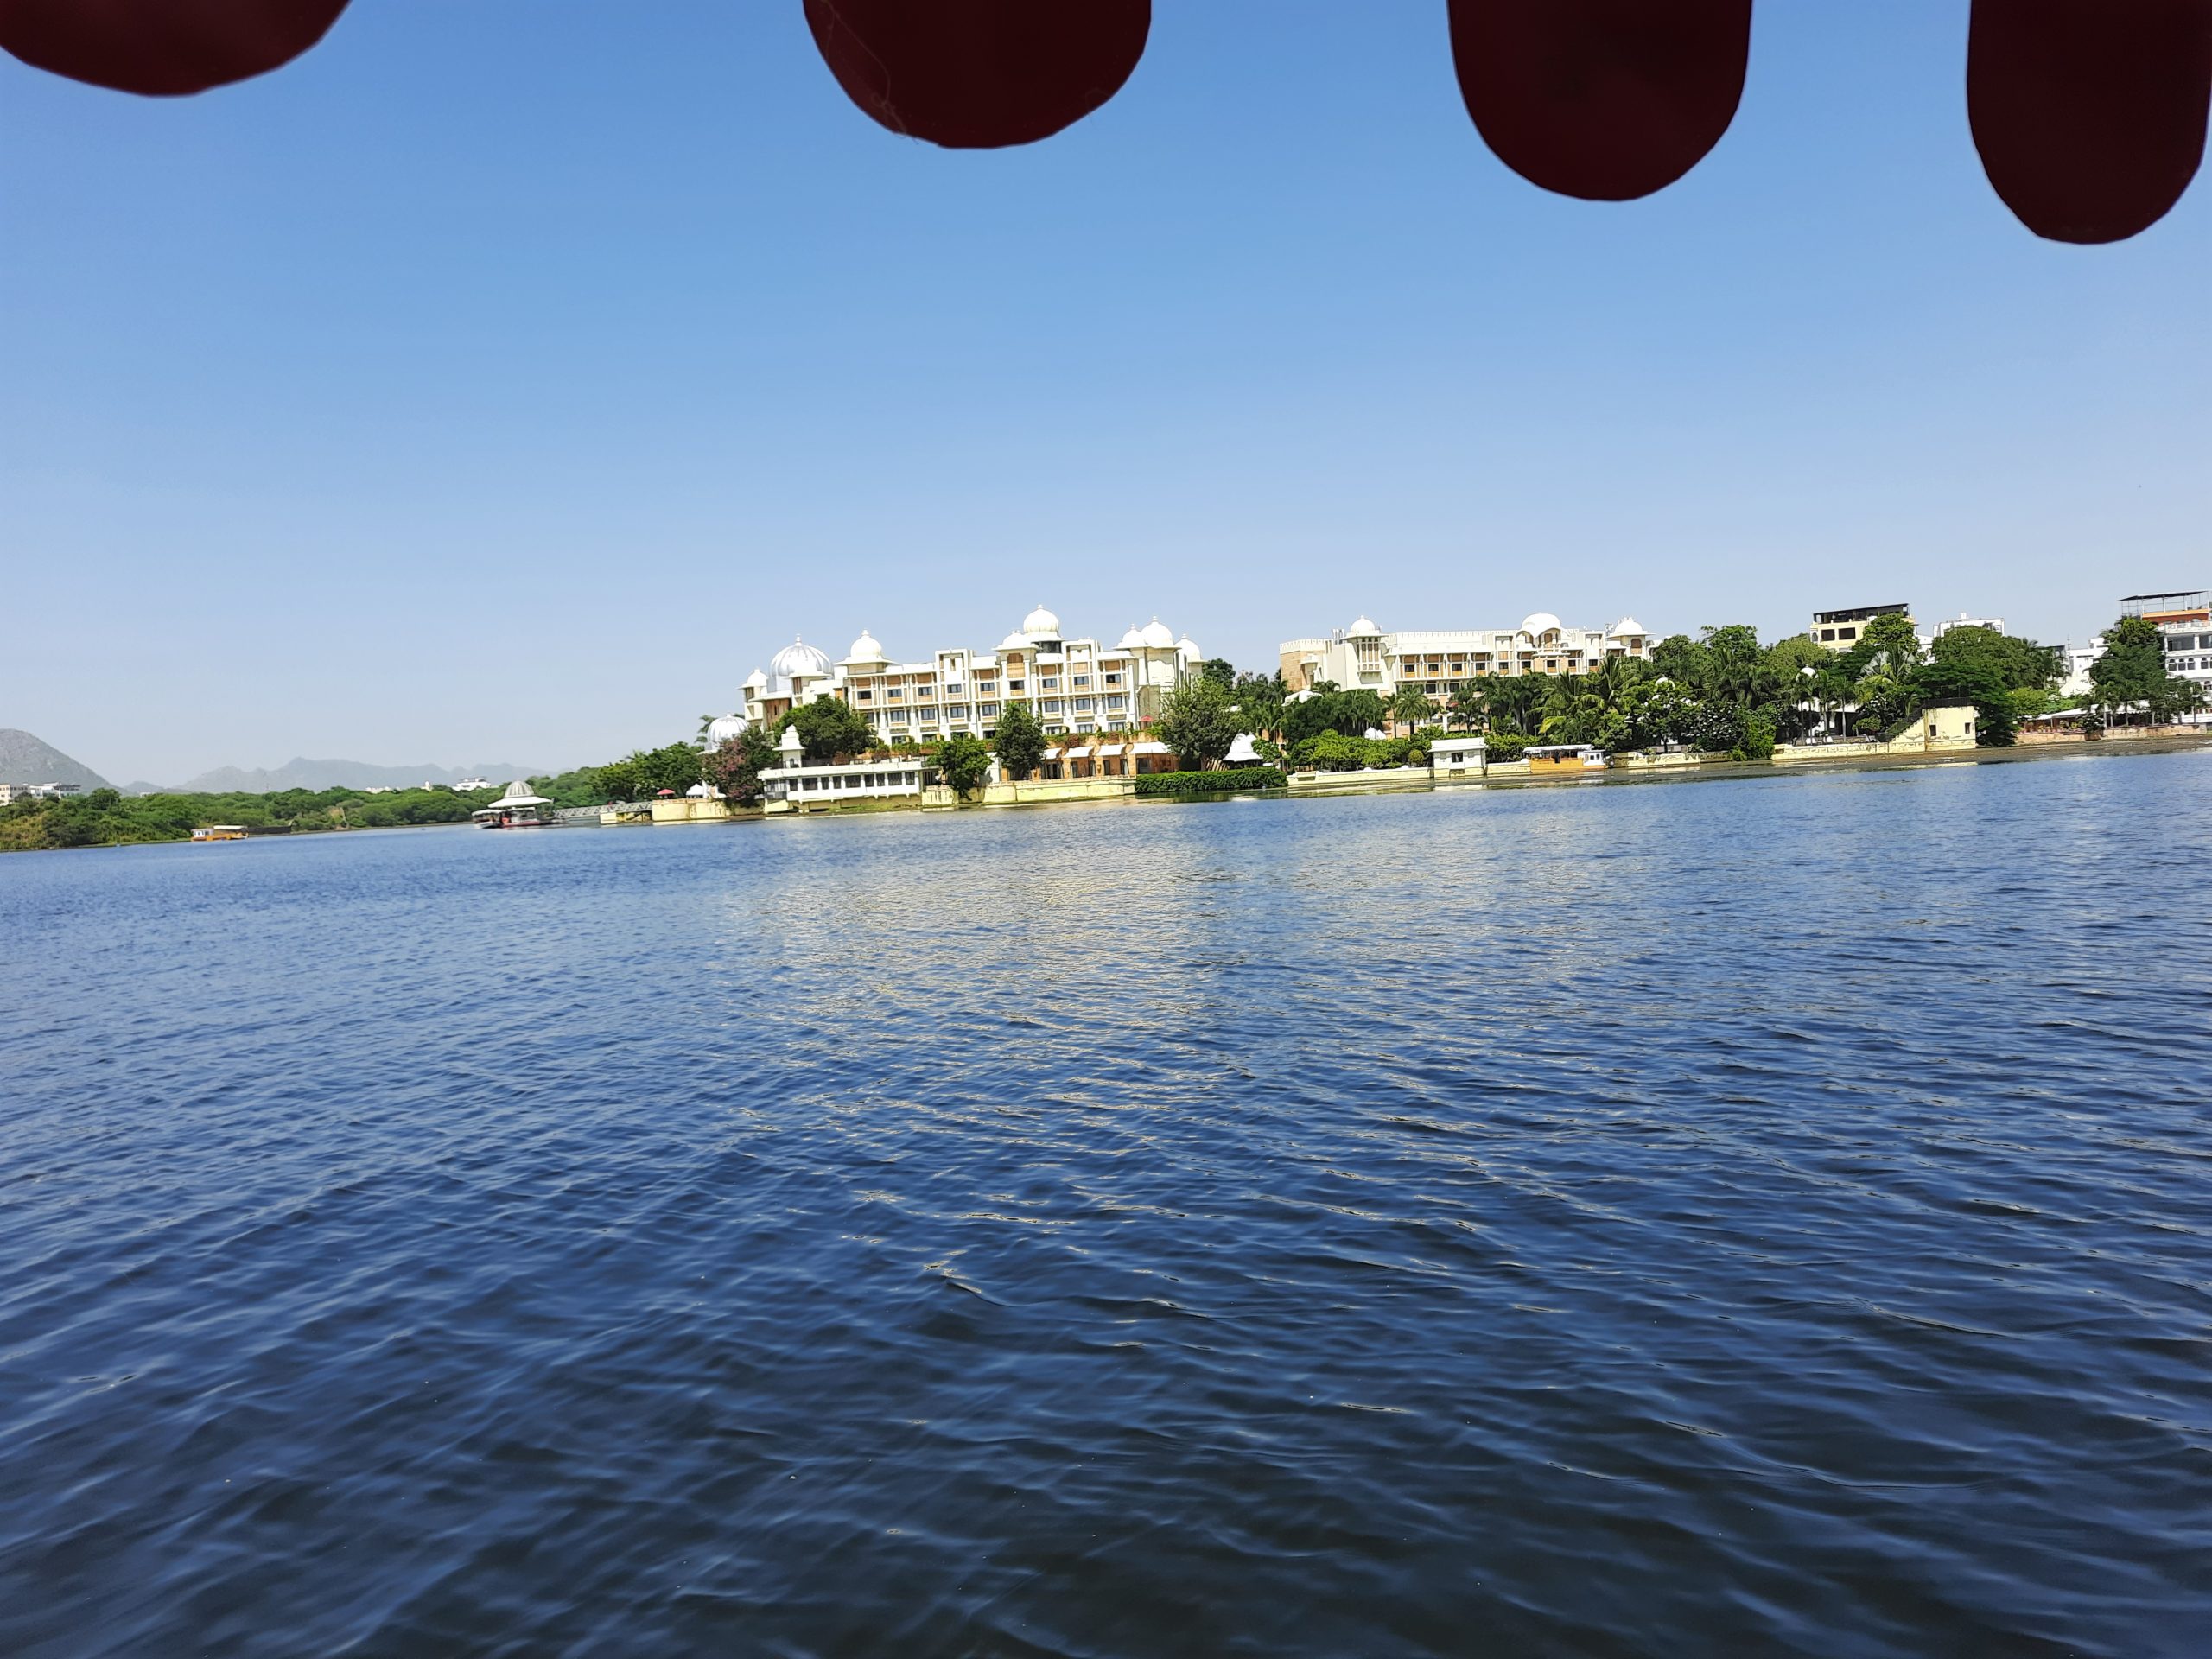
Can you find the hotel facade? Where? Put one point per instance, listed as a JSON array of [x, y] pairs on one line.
[[1364, 658], [1076, 686]]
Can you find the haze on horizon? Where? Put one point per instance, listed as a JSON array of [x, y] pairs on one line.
[[510, 379]]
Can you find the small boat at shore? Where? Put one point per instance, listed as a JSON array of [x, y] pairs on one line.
[[219, 832], [1563, 761], [516, 809]]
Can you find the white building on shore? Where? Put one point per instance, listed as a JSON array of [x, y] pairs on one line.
[[1364, 658], [1074, 685]]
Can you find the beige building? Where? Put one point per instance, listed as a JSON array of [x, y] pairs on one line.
[[1364, 658], [1075, 686], [1839, 630]]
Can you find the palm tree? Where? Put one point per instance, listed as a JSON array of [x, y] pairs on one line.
[[1411, 707], [1513, 704], [1464, 705]]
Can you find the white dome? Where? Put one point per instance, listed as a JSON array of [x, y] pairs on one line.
[[1041, 624], [1156, 636], [1542, 622], [1133, 640], [865, 649], [755, 680], [721, 731], [797, 659], [1628, 624], [1187, 646], [1365, 625], [1013, 642]]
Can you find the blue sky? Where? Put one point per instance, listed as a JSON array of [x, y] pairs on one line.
[[505, 380]]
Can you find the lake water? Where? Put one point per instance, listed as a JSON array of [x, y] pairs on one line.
[[1766, 1215]]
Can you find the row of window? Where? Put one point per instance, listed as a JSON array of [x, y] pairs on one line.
[[861, 780]]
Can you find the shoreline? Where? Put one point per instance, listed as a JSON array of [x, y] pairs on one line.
[[1701, 772]]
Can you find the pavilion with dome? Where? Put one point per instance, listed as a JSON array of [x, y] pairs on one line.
[[1077, 685]]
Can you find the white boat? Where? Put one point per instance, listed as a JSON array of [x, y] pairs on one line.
[[516, 809]]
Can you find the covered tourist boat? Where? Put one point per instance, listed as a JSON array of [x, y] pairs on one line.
[[516, 809]]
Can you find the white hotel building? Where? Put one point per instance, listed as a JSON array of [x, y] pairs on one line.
[[1071, 685], [1362, 658]]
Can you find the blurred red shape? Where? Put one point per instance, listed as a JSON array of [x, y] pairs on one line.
[[980, 75], [162, 48], [2089, 114], [1604, 99]]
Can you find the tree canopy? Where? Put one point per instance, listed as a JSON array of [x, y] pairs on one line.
[[1019, 742], [643, 774], [2018, 664], [1348, 713], [2131, 676], [963, 763], [735, 767], [829, 727], [1197, 720]]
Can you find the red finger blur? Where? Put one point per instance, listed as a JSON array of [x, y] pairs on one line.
[[979, 74], [2089, 114], [1604, 99], [162, 48]]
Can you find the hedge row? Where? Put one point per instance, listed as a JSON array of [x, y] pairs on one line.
[[1236, 779]]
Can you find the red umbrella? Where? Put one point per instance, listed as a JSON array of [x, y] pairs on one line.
[[2089, 114], [163, 48]]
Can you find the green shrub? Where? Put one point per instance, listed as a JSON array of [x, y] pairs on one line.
[[1504, 746], [1230, 780]]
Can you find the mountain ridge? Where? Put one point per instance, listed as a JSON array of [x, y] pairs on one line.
[[302, 772], [26, 758]]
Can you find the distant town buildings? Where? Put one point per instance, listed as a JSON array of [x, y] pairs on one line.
[[11, 793], [1839, 630], [1364, 658], [1074, 685], [2183, 621], [1994, 624]]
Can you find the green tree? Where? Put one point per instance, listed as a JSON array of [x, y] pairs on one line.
[[1886, 646], [1974, 678], [1220, 671], [1465, 705], [1516, 703], [1411, 708], [1789, 657], [735, 767], [2131, 676], [1259, 700], [1333, 752], [964, 764], [1347, 713], [828, 727], [2016, 665], [1198, 721], [1019, 742], [1681, 659], [1883, 703]]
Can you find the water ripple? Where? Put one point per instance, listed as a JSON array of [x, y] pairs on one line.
[[1763, 1217]]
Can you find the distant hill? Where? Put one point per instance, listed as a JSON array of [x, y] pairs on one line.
[[302, 774], [26, 759]]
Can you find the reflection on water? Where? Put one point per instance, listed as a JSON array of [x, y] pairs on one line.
[[1762, 1214]]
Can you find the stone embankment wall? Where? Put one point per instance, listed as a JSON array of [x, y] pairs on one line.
[[1037, 791], [1323, 783]]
